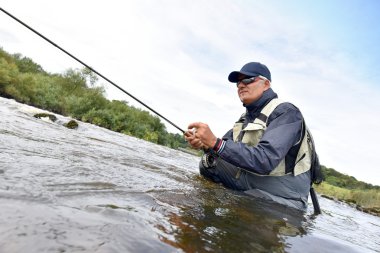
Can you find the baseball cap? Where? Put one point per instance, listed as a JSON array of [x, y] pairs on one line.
[[250, 69]]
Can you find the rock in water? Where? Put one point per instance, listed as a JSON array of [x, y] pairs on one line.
[[45, 115], [72, 124]]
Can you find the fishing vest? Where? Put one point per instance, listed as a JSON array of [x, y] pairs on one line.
[[253, 132]]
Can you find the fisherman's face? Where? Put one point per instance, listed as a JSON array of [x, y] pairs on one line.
[[249, 93]]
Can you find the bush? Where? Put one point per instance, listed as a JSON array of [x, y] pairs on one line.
[[75, 94], [101, 118]]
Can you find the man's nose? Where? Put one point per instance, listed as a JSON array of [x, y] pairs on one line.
[[240, 85]]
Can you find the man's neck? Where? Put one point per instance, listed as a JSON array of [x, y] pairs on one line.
[[267, 96]]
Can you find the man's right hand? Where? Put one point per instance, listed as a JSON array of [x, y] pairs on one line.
[[203, 133], [194, 141]]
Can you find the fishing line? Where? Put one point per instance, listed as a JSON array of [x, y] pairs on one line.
[[93, 70]]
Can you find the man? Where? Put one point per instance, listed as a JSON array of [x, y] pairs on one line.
[[268, 153]]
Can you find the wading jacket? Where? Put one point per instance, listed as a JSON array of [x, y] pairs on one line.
[[279, 143]]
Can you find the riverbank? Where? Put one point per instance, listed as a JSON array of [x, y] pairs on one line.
[[367, 201]]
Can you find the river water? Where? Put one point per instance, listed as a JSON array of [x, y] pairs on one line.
[[94, 190]]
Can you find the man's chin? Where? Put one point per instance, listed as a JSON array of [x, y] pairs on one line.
[[247, 101], [244, 100]]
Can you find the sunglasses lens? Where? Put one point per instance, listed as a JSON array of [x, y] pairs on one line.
[[248, 80]]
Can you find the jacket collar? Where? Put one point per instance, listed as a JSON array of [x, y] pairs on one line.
[[255, 108]]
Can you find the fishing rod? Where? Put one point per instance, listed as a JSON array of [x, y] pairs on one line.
[[92, 69]]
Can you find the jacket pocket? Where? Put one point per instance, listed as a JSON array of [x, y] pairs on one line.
[[253, 133]]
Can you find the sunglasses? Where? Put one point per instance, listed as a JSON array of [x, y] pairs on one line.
[[247, 81]]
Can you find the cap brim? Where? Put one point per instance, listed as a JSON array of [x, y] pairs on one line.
[[233, 77]]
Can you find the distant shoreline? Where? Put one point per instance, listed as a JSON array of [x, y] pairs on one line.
[[367, 201], [373, 211]]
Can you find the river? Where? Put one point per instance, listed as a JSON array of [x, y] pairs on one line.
[[94, 190]]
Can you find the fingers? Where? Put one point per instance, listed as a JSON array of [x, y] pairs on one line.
[[192, 138], [198, 129], [194, 125], [195, 143], [200, 135], [188, 134]]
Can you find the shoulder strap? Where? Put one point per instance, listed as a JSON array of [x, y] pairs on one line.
[[267, 110], [242, 118]]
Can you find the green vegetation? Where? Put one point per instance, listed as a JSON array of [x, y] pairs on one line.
[[75, 93], [346, 188], [338, 179]]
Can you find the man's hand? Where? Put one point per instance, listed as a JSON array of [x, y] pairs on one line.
[[194, 142], [201, 137]]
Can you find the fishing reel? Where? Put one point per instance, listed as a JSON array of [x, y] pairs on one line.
[[209, 160]]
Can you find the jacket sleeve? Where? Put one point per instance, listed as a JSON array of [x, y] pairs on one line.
[[228, 135], [284, 131]]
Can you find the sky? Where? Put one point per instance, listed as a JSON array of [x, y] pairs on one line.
[[175, 56]]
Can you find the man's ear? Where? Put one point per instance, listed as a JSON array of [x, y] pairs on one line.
[[266, 85]]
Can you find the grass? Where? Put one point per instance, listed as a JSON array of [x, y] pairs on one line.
[[365, 200]]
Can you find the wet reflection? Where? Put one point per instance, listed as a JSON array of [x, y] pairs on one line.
[[215, 219]]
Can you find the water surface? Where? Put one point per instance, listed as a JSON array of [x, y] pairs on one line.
[[93, 190]]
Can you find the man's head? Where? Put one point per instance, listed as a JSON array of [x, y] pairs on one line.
[[252, 80]]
